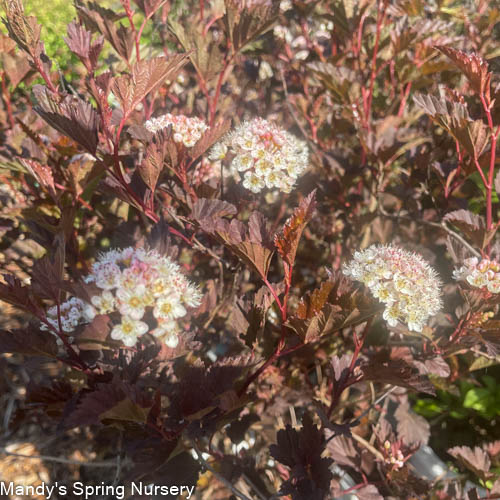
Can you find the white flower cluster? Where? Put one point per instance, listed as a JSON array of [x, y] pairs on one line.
[[299, 46], [403, 281], [482, 273], [133, 282], [186, 130], [270, 157]]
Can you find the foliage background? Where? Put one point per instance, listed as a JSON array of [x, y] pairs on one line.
[[386, 167]]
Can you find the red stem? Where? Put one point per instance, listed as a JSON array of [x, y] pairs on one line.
[[344, 382], [404, 98], [357, 48], [130, 14], [491, 171], [215, 100], [78, 363], [281, 343], [79, 198], [8, 104], [202, 9], [44, 75], [380, 17], [118, 174]]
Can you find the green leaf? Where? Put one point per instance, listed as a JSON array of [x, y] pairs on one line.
[[478, 399]]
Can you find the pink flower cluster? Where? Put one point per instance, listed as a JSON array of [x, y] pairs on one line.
[[269, 156], [482, 273], [140, 288], [403, 281], [187, 131]]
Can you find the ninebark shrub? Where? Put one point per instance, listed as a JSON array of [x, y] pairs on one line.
[[237, 252]]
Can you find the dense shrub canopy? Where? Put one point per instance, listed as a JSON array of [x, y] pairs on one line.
[[250, 247]]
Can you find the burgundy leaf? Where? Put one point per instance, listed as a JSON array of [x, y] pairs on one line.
[[251, 244], [97, 330], [312, 303], [52, 398], [13, 292], [147, 76], [288, 240], [473, 66], [28, 341], [435, 366], [98, 18], [397, 372], [152, 165], [368, 492], [328, 320], [48, 272], [412, 428], [476, 460], [301, 451], [71, 116], [79, 42], [495, 489], [24, 30], [210, 137], [345, 451], [108, 401], [204, 208], [246, 23], [43, 175]]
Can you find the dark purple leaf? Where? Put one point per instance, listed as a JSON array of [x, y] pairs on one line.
[[435, 366], [28, 341], [412, 428], [397, 372], [473, 66], [301, 451], [146, 77], [70, 115], [79, 42], [476, 460]]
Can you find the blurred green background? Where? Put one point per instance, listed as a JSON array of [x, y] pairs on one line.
[[54, 16]]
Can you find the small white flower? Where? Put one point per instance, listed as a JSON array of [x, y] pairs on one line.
[[273, 179], [131, 302], [480, 273], [242, 162], [105, 303], [107, 276], [169, 308], [191, 296], [264, 167], [218, 152], [88, 313], [128, 331], [171, 340], [391, 315], [253, 182], [168, 333]]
